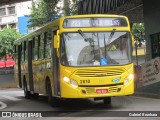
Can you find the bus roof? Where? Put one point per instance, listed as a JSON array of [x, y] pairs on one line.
[[94, 15]]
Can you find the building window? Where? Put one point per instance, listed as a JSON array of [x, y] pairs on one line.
[[13, 25], [11, 10], [2, 11], [2, 27], [155, 45]]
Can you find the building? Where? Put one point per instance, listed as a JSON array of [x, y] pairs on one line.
[[152, 25], [12, 16]]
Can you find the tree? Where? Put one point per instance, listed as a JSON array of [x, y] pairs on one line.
[[138, 33], [43, 12], [139, 36], [70, 7], [7, 38]]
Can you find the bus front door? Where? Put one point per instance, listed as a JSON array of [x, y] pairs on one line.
[[56, 71]]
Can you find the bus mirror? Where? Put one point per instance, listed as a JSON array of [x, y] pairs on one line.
[[56, 41]]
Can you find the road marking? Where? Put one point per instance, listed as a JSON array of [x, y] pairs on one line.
[[2, 105], [10, 98]]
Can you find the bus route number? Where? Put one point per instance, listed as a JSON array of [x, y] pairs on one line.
[[84, 81], [75, 23], [116, 22]]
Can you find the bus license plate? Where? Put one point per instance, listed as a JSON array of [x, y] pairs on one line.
[[101, 91]]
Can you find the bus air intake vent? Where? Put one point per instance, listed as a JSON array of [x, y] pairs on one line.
[[113, 89], [99, 72]]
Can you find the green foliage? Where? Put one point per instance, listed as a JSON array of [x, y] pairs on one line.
[[138, 32], [42, 12], [7, 38], [70, 7]]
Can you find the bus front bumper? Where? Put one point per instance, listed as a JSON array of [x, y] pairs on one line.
[[68, 91]]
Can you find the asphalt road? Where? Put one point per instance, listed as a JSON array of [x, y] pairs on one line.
[[126, 107]]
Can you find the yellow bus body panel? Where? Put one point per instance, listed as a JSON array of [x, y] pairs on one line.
[[119, 88]]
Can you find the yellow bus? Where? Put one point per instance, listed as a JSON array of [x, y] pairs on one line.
[[82, 56]]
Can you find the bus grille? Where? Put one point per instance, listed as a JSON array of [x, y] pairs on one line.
[[114, 89], [90, 90], [99, 72]]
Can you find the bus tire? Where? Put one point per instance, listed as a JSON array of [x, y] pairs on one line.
[[107, 100], [53, 101], [35, 96], [27, 94]]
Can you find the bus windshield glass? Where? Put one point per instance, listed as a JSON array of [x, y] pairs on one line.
[[95, 48]]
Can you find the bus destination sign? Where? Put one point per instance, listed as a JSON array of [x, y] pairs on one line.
[[94, 22]]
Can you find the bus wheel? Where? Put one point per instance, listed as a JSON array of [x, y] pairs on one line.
[[35, 95], [107, 100], [27, 94], [53, 101]]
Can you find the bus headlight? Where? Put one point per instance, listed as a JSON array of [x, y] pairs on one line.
[[73, 83], [66, 79], [130, 77]]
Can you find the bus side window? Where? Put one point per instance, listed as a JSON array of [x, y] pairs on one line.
[[22, 52], [45, 42], [41, 49], [39, 37], [33, 46], [36, 48], [48, 38], [27, 51]]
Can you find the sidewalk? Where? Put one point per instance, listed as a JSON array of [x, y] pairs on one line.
[[148, 95]]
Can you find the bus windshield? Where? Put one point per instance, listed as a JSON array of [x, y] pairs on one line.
[[95, 48]]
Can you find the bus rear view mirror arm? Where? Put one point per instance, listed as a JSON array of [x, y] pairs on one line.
[[56, 40]]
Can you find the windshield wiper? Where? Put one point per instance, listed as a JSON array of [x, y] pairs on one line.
[[86, 39], [90, 40], [111, 35], [83, 35], [109, 43]]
